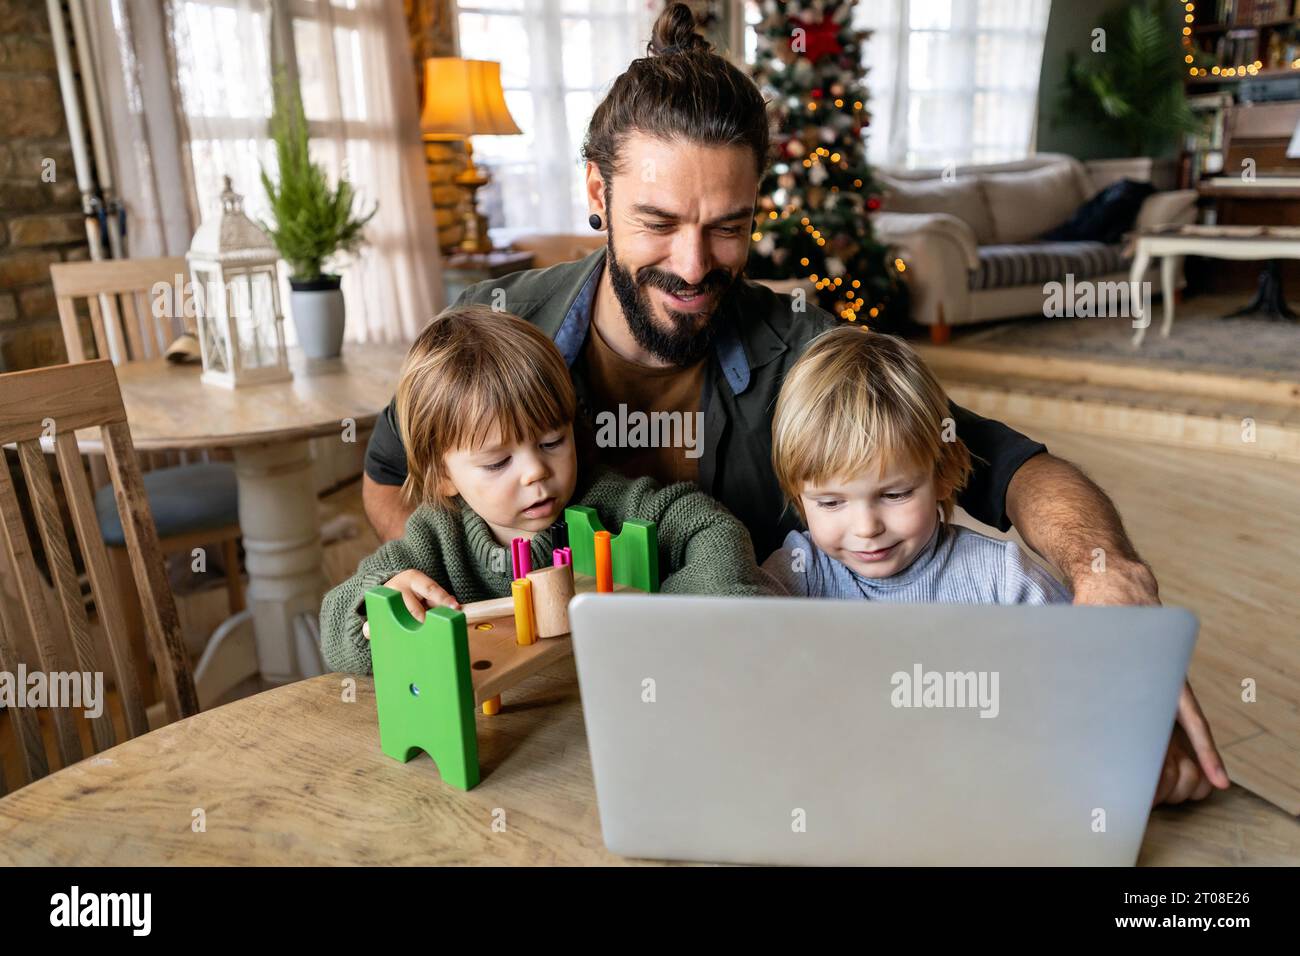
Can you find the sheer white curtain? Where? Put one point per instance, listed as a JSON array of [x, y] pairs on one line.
[[952, 81], [127, 40], [358, 90], [354, 68], [557, 58]]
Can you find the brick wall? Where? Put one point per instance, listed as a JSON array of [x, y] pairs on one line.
[[40, 206]]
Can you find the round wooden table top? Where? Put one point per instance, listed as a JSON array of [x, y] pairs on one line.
[[169, 408], [295, 776]]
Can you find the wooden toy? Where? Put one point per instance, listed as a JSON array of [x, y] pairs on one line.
[[634, 551], [604, 573], [552, 589], [430, 676], [423, 690]]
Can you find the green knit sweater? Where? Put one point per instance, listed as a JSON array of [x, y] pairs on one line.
[[703, 549]]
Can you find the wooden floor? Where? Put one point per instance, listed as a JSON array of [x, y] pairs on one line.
[[1184, 406]]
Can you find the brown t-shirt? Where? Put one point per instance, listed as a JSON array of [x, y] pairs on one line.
[[645, 389]]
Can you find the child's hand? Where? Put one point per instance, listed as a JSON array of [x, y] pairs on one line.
[[419, 591]]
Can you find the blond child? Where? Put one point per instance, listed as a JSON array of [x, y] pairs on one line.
[[863, 448], [486, 407]]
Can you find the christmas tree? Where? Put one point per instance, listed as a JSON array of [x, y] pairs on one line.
[[815, 202]]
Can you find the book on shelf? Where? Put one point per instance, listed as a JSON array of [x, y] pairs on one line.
[[1249, 13]]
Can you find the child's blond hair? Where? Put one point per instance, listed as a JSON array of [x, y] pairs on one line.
[[469, 369], [858, 399]]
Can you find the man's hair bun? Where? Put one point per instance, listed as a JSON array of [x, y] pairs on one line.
[[674, 33]]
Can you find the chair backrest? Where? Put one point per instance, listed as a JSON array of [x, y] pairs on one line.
[[48, 405], [131, 315]]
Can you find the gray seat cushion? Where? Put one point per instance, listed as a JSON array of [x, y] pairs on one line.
[[1034, 263], [183, 499]]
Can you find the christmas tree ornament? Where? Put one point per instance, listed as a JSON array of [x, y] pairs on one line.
[[808, 58]]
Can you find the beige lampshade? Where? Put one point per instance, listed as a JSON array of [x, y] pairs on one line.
[[464, 98]]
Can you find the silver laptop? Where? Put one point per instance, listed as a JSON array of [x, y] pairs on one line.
[[796, 731]]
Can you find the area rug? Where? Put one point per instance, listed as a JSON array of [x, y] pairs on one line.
[[1200, 339]]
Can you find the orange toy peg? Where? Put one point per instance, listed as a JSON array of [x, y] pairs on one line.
[[604, 563]]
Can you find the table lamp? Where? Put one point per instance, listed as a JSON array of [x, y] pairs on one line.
[[463, 98]]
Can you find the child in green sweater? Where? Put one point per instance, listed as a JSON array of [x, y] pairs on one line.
[[486, 410]]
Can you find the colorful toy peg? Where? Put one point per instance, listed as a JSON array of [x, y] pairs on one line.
[[492, 707], [604, 563], [559, 535], [521, 558], [561, 557], [525, 623], [424, 693]]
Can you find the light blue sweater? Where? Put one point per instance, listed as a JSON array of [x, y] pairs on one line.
[[957, 566]]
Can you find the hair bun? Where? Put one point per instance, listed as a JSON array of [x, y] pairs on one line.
[[674, 32]]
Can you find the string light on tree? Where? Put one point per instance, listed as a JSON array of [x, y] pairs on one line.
[[809, 64]]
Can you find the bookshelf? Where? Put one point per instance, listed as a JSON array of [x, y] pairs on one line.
[[1235, 51], [1227, 41]]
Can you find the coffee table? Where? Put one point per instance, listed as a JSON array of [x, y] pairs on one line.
[[1213, 242]]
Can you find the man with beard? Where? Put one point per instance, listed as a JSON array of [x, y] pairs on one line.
[[662, 320]]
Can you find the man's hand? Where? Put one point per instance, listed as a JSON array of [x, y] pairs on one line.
[[1123, 582], [419, 591], [1067, 519], [1193, 767], [1192, 764]]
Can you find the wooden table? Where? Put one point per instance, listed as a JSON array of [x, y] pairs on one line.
[[295, 776], [268, 428], [1215, 242]]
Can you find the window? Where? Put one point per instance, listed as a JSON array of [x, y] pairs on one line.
[[971, 79], [224, 75], [225, 87], [557, 58], [358, 92], [950, 81]]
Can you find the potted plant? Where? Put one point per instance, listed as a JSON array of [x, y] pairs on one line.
[[313, 222], [1134, 92]]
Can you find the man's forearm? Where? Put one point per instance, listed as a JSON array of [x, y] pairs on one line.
[[1066, 518], [385, 509]]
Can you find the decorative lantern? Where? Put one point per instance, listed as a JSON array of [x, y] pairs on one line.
[[237, 298]]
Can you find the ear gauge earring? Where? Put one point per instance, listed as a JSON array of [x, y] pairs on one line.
[[594, 221]]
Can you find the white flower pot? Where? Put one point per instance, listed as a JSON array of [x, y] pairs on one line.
[[318, 316]]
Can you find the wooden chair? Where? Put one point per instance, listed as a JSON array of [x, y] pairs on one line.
[[192, 503], [83, 395]]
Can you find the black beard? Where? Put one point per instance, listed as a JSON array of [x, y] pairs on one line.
[[684, 345]]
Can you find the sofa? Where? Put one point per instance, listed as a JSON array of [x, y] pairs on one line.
[[969, 239]]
